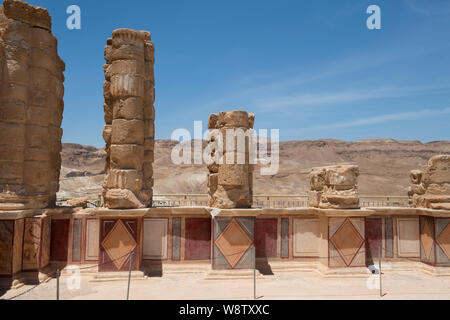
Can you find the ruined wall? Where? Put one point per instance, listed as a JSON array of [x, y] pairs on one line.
[[31, 106], [129, 91], [430, 186], [230, 185], [334, 187]]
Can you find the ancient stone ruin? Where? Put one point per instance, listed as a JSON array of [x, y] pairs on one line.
[[129, 91], [430, 186], [31, 107], [230, 183], [334, 187]]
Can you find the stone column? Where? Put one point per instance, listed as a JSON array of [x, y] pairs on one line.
[[430, 186], [230, 181], [129, 116], [334, 187], [31, 106]]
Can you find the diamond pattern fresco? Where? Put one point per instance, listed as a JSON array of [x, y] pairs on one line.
[[444, 240], [233, 242], [117, 243], [347, 241], [427, 239]]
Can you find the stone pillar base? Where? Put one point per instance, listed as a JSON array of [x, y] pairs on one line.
[[232, 274]]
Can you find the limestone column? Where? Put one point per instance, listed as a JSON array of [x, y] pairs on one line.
[[31, 106], [430, 186], [334, 187], [230, 182], [129, 117]]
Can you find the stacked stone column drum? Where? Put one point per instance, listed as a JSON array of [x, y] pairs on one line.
[[430, 186], [129, 115], [334, 187], [31, 107], [230, 185]]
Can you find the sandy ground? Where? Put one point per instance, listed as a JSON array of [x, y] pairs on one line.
[[302, 286]]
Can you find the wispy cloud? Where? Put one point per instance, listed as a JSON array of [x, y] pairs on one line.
[[321, 98], [270, 91], [399, 116], [429, 8]]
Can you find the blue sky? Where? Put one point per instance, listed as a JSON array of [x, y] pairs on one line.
[[309, 68]]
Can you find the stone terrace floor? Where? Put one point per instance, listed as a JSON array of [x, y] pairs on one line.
[[305, 285]]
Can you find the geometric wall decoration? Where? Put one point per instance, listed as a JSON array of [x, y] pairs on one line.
[[427, 249], [6, 246], [442, 227], [77, 232], [435, 241], [374, 232], [234, 243], [155, 238], [11, 246], [92, 239], [389, 237], [346, 242], [408, 237], [45, 242], [119, 237], [176, 238], [32, 244], [60, 240], [266, 237], [306, 237], [18, 245], [197, 236], [284, 237]]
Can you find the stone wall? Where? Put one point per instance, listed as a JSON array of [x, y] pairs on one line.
[[31, 106], [129, 115], [430, 186], [334, 187], [230, 185]]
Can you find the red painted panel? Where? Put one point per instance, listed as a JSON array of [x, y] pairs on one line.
[[198, 239], [59, 240], [266, 237], [373, 239]]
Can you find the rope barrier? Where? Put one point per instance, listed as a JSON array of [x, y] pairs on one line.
[[83, 268]]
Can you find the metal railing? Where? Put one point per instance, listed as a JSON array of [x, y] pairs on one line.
[[383, 201], [273, 201], [259, 201]]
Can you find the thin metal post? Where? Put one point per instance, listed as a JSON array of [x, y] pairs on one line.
[[379, 262], [129, 275], [57, 284], [254, 282]]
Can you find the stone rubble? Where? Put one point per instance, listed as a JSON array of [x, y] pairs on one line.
[[334, 187], [430, 186]]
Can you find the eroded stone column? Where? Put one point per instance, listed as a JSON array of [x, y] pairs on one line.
[[230, 178], [430, 186], [334, 187], [31, 106], [129, 115]]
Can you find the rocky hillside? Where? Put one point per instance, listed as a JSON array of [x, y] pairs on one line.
[[384, 167]]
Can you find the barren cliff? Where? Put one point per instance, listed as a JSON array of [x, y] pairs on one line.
[[384, 165]]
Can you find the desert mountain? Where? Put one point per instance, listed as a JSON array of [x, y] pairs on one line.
[[384, 167]]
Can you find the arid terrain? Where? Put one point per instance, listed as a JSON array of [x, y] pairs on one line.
[[384, 167]]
